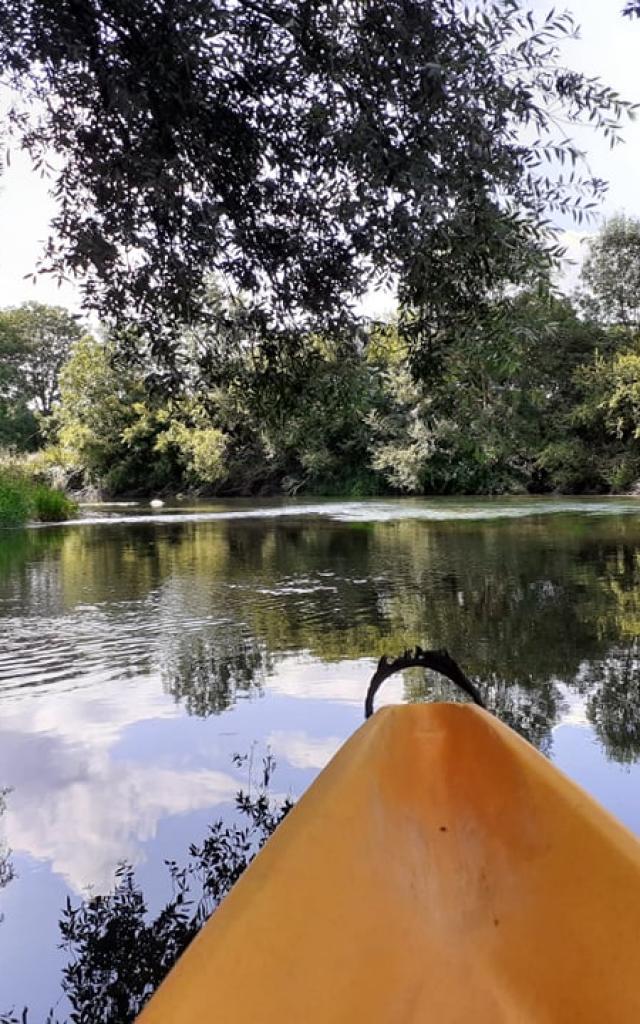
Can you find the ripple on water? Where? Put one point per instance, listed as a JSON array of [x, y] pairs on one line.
[[73, 647]]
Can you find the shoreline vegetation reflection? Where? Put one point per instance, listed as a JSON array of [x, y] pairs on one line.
[[6, 867], [542, 612], [528, 608]]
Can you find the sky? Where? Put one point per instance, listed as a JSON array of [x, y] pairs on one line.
[[609, 47]]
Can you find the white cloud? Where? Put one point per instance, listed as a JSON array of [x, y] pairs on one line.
[[343, 682], [85, 826], [303, 751], [77, 805], [574, 709], [97, 714]]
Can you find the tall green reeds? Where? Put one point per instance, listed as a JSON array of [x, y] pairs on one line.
[[23, 499]]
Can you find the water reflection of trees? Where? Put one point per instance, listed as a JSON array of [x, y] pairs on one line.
[[6, 867], [613, 704], [29, 562], [523, 601], [119, 951], [531, 710], [207, 673], [524, 605]]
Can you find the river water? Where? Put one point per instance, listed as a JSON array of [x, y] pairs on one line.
[[141, 649]]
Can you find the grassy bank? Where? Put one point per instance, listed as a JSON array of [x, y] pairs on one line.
[[23, 500]]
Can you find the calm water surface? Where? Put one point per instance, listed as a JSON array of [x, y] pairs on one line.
[[141, 650]]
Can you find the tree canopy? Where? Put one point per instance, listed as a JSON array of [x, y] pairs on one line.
[[538, 398], [299, 150], [35, 343], [611, 273], [39, 338]]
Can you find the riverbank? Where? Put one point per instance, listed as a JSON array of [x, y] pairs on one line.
[[38, 489], [95, 495]]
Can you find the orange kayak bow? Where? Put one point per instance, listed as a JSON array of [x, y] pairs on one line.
[[438, 870]]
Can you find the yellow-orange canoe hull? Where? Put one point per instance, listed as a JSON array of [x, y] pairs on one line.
[[439, 869]]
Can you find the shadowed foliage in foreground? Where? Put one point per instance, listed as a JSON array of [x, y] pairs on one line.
[[182, 155]]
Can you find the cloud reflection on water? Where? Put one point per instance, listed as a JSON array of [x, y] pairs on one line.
[[79, 805]]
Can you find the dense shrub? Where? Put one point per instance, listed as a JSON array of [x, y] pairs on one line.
[[23, 498], [15, 504], [532, 397], [49, 505], [542, 401]]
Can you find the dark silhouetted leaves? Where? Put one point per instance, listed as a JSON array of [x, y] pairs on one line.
[[300, 150]]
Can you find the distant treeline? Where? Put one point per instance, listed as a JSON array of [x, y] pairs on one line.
[[542, 396]]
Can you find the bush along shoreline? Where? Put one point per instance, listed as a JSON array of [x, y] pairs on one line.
[[538, 395], [23, 500]]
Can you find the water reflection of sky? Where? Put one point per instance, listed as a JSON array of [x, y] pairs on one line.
[[96, 770], [108, 773], [576, 751], [141, 659]]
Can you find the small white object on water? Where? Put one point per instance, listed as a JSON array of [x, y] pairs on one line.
[[156, 503]]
